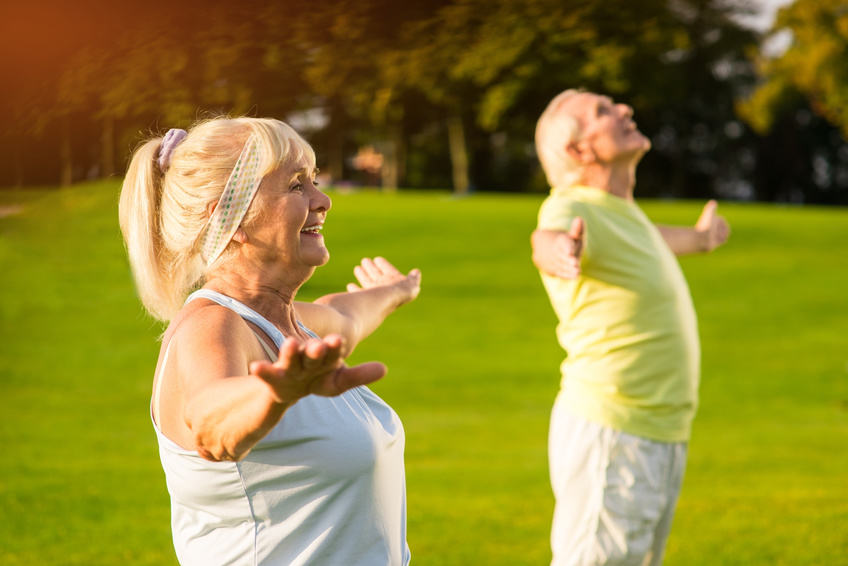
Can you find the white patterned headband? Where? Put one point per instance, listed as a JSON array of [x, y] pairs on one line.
[[238, 193]]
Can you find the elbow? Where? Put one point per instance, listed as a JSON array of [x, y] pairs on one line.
[[217, 451], [211, 445], [353, 334], [207, 454]]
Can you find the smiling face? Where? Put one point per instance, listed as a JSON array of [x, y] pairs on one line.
[[608, 133], [289, 227]]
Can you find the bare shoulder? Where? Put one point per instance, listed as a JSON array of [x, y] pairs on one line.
[[206, 320], [212, 341]]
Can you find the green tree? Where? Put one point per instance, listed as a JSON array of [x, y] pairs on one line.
[[500, 61], [813, 66]]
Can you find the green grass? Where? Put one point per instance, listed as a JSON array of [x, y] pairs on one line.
[[473, 370]]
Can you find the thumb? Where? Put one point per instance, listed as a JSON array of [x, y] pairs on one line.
[[707, 216], [576, 233], [349, 377]]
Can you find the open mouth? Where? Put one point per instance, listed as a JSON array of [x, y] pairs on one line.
[[314, 229]]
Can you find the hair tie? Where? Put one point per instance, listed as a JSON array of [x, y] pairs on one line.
[[166, 149]]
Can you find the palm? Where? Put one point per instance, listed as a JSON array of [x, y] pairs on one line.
[[314, 368]]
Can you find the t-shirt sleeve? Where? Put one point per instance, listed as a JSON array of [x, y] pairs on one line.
[[557, 213]]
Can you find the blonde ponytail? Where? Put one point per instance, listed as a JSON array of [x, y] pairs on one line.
[[138, 214]]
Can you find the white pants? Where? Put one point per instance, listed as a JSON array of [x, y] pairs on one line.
[[615, 493]]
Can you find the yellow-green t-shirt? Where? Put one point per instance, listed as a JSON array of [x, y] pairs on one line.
[[627, 323]]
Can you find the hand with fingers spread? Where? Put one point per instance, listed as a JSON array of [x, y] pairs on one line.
[[559, 253], [314, 367], [379, 272], [713, 228]]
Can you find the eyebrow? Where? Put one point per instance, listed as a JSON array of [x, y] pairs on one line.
[[303, 171]]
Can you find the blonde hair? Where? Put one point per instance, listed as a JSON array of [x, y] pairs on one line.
[[163, 216], [553, 133]]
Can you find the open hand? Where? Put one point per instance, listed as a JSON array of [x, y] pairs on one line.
[[314, 367], [559, 253], [712, 227], [379, 272]]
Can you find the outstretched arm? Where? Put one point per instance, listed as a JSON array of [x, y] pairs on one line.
[[228, 403], [357, 313], [558, 253], [710, 231]]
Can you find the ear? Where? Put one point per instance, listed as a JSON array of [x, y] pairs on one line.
[[581, 152], [241, 236]]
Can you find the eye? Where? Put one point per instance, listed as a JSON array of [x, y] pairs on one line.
[[297, 187]]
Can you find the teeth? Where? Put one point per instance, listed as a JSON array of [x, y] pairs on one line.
[[313, 229]]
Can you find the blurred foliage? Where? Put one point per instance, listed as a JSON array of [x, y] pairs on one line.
[[448, 91], [800, 104], [814, 65]]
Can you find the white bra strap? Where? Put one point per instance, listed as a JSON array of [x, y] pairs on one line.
[[268, 350], [157, 393]]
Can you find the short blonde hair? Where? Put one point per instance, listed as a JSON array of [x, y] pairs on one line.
[[553, 133], [163, 216]]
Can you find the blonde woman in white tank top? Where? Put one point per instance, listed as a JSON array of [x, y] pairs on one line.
[[274, 451]]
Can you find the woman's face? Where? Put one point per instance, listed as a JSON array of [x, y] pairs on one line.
[[289, 229]]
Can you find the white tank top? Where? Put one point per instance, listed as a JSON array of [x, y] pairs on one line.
[[325, 487]]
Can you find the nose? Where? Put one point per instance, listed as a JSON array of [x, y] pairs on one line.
[[625, 110], [320, 201]]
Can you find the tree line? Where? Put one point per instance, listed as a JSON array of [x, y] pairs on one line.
[[445, 93]]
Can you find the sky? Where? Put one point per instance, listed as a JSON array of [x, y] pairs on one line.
[[767, 12], [762, 21]]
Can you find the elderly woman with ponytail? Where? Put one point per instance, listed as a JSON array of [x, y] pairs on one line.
[[274, 451]]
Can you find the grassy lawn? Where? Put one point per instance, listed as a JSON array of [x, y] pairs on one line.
[[473, 370]]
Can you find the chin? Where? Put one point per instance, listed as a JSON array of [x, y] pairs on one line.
[[644, 147], [321, 260]]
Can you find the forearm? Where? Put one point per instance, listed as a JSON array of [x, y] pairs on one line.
[[684, 240], [364, 311], [230, 416]]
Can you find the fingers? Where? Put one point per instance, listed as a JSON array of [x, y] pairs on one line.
[[368, 273], [362, 276], [568, 267], [385, 266], [298, 360], [313, 353], [288, 353], [373, 273]]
